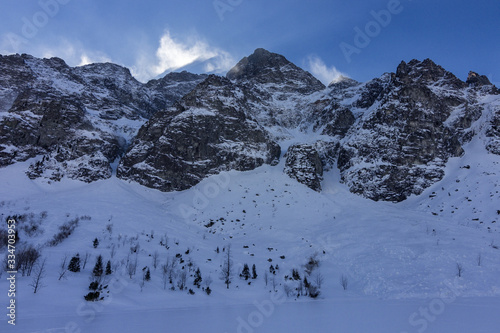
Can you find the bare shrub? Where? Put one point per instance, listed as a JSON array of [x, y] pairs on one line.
[[460, 269], [38, 276], [85, 259], [132, 268], [181, 281], [318, 278], [26, 258], [65, 231], [227, 268], [312, 264], [63, 268], [155, 256], [344, 281], [289, 290]]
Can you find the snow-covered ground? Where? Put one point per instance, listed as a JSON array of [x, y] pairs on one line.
[[400, 260]]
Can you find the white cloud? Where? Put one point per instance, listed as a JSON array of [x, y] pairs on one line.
[[93, 57], [73, 53], [221, 63], [323, 73], [172, 54]]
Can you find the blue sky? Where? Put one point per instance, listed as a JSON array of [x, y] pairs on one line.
[[361, 39]]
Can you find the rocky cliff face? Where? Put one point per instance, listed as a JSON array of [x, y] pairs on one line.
[[396, 133], [205, 133], [277, 90], [79, 119], [303, 164], [220, 125]]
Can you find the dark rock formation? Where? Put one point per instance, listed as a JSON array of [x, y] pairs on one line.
[[400, 146], [303, 164], [476, 80], [207, 132]]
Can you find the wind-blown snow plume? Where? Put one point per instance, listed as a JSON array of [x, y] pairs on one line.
[[173, 54], [72, 52], [318, 68]]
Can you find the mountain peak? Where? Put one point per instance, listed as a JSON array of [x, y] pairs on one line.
[[426, 72], [264, 67], [343, 82], [256, 63]]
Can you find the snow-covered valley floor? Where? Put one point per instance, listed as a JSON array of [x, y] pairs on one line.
[[399, 260]]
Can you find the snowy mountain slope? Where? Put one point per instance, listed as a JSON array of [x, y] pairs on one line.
[[396, 253]]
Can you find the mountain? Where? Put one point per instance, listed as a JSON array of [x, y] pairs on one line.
[[390, 138], [220, 125], [395, 134], [79, 120], [277, 89], [206, 132], [358, 203]]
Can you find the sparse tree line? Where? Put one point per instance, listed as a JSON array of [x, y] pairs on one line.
[[174, 271]]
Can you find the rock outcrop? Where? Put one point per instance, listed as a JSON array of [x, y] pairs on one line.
[[303, 164]]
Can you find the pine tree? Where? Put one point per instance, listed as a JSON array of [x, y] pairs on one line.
[[108, 268], [92, 296], [254, 272], [245, 273], [74, 264], [197, 278], [95, 243], [98, 268], [306, 284], [148, 275], [93, 286]]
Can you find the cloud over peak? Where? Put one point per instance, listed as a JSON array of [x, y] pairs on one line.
[[173, 54], [322, 72]]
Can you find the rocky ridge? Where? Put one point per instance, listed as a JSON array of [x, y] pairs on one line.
[[390, 137], [79, 119]]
